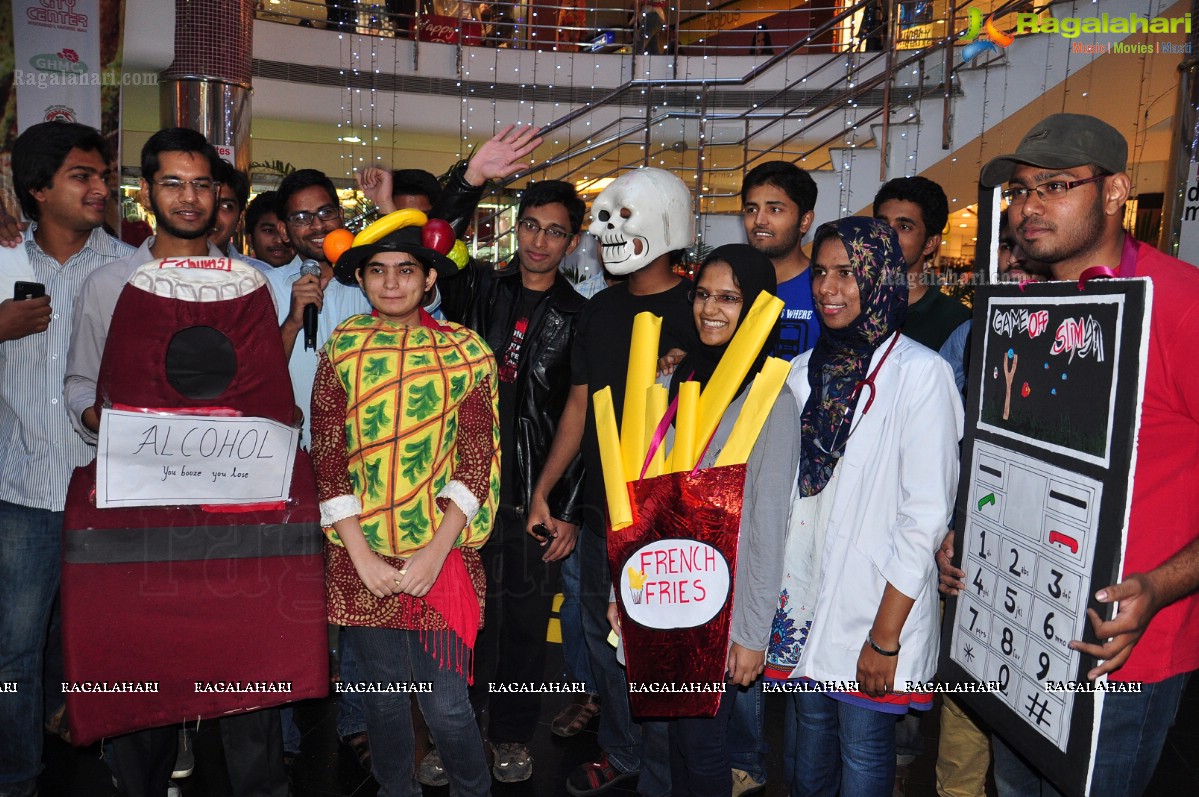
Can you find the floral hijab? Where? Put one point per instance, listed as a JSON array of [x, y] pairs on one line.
[[840, 360]]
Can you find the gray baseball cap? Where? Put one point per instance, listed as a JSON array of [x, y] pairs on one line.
[[1062, 141]]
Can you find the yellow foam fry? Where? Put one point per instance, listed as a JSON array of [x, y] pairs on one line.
[[620, 512], [762, 395], [734, 365], [643, 368], [683, 456], [655, 408]]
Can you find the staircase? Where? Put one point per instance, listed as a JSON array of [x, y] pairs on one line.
[[994, 101], [852, 119]]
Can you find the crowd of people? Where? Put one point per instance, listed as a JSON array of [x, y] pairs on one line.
[[443, 570]]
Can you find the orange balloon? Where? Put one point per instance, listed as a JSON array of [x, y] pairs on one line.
[[336, 243]]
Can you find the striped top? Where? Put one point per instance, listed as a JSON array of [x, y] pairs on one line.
[[38, 447]]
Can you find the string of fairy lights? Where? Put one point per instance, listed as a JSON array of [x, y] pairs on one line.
[[657, 124], [482, 113]]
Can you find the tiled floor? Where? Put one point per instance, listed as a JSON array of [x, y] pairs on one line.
[[327, 769]]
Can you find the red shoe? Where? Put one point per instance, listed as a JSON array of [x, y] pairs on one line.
[[596, 778]]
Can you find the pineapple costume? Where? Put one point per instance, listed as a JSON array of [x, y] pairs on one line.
[[406, 419]]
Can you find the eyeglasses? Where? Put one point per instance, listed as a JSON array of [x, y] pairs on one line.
[[1054, 189], [700, 296], [532, 228], [202, 185], [303, 218]]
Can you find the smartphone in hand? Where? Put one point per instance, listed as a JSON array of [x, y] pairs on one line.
[[28, 290]]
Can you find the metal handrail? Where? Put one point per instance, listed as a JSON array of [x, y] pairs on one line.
[[847, 87], [748, 77], [824, 110]]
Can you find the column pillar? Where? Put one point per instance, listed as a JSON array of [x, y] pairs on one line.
[[208, 86]]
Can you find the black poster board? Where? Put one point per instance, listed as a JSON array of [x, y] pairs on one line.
[[1053, 404]]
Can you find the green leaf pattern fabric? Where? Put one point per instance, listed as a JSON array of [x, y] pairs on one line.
[[404, 386]]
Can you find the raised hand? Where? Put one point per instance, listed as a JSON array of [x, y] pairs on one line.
[[502, 155], [375, 184]]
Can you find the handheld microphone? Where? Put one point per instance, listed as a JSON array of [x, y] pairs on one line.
[[310, 268]]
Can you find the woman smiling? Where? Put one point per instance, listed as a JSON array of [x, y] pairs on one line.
[[871, 492], [726, 287]]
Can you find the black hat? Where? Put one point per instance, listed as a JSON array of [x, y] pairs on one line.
[[1063, 141], [405, 239]]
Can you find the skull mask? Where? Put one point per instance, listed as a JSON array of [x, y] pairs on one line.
[[641, 216]]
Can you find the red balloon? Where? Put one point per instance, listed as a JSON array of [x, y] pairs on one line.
[[438, 235], [1025, 391]]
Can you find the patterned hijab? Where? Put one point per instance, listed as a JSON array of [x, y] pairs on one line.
[[840, 360], [753, 273]]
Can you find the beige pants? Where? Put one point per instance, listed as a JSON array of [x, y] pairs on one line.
[[963, 755]]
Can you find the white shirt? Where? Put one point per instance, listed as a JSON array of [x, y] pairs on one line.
[[890, 504], [340, 302], [38, 450]]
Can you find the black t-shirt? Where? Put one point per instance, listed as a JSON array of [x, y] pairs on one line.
[[600, 358], [934, 317], [508, 362]]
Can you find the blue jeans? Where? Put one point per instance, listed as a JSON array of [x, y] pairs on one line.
[[746, 741], [291, 732], [30, 550], [831, 745], [630, 746], [909, 741], [570, 618], [392, 656], [351, 715], [1132, 732], [700, 765]]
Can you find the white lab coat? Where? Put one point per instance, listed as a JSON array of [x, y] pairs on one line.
[[893, 496]]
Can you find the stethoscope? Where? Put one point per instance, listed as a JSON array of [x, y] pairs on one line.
[[868, 382]]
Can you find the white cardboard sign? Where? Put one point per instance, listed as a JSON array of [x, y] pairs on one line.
[[674, 583], [159, 459]]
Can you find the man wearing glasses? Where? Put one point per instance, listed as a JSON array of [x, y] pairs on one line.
[[178, 177], [1066, 192], [178, 168], [308, 208], [528, 313]]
